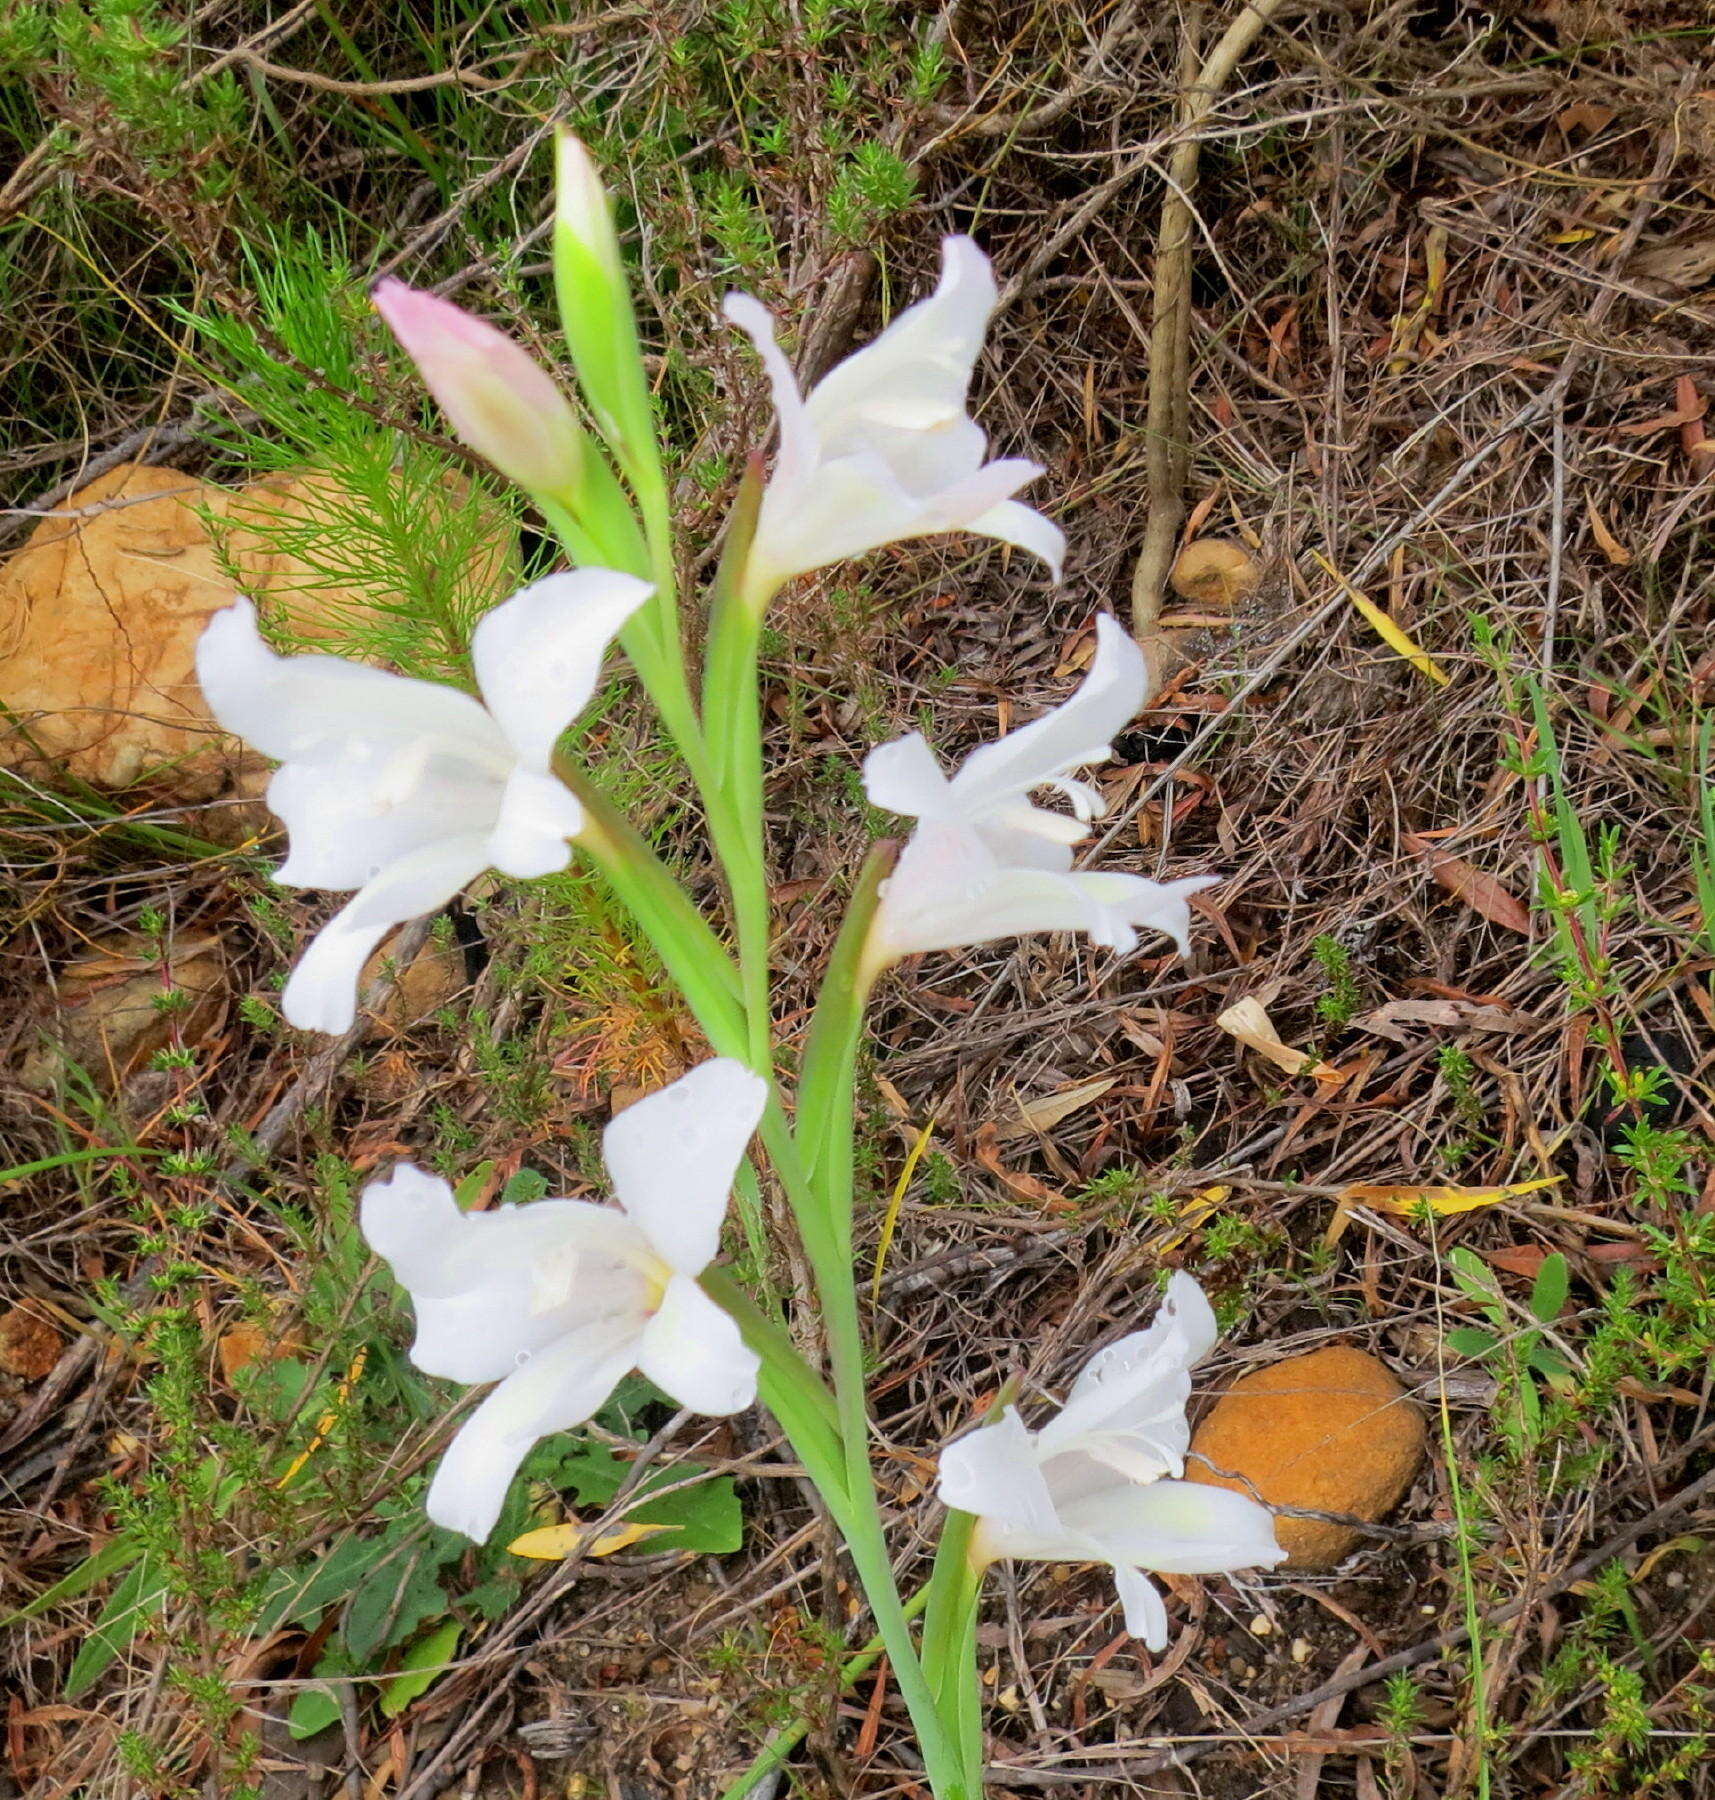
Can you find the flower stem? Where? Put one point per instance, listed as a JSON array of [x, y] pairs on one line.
[[950, 1640], [652, 642], [732, 719], [695, 957], [821, 1439], [828, 1071]]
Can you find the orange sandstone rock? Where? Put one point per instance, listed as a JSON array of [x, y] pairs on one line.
[[101, 609], [1331, 1430], [1214, 572], [29, 1344], [114, 1009], [99, 617]]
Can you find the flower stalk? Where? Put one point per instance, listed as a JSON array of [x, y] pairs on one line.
[[406, 790]]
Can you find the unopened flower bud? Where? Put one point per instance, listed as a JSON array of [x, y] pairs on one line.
[[501, 402]]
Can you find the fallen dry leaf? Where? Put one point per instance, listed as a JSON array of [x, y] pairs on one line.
[[1248, 1021], [1047, 1110], [1520, 1259], [1587, 117], [1606, 542], [553, 1543], [1482, 893], [1194, 1212], [1026, 1187], [1389, 1021], [1688, 408], [1698, 446], [243, 1344], [1388, 630], [1405, 1202]]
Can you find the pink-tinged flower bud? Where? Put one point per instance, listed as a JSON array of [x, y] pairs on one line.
[[500, 401]]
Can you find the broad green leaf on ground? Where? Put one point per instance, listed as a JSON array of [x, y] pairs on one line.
[[706, 1517], [1549, 1292], [420, 1667], [135, 1600], [315, 1709]]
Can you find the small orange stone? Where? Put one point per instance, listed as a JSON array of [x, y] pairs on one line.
[[1214, 572], [29, 1345], [1331, 1430]]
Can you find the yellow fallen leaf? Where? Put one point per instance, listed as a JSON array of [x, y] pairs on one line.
[[1404, 1202], [897, 1199], [1384, 627], [1194, 1212], [1248, 1021], [1684, 1545], [328, 1420], [553, 1543], [1411, 328]]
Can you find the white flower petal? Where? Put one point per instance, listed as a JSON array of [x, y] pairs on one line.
[[412, 1220], [1127, 1407], [1185, 1308], [852, 505], [1079, 731], [558, 1387], [1122, 905], [673, 1156], [797, 440], [538, 655], [538, 814], [1145, 1613], [1031, 837], [437, 1250], [321, 707], [882, 449], [490, 1287], [927, 354], [348, 819], [904, 777], [1178, 1527], [995, 1473], [692, 1350], [322, 992], [1024, 527], [948, 892], [962, 498], [1139, 1430], [486, 1334]]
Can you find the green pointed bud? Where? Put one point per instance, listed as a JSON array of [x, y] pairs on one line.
[[595, 309]]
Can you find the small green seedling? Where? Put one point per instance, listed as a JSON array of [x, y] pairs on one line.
[[1506, 1342]]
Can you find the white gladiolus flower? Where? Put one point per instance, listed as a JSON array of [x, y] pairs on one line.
[[407, 790], [1099, 1482], [883, 448], [985, 862], [557, 1300]]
